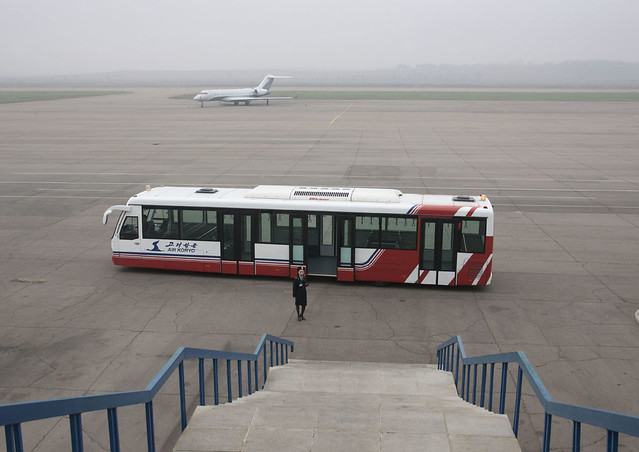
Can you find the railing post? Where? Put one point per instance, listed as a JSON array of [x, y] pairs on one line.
[[457, 369], [613, 441], [257, 386], [463, 383], [444, 358], [520, 375], [491, 387], [468, 384], [264, 364], [439, 360], [182, 395], [248, 375], [502, 394], [216, 384], [475, 384], [277, 355], [75, 421], [8, 438], [482, 399], [200, 368], [547, 428], [228, 381], [114, 434], [286, 348], [281, 354], [239, 379], [576, 436], [150, 431], [13, 437], [271, 343]]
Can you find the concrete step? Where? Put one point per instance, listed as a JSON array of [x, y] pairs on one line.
[[344, 406]]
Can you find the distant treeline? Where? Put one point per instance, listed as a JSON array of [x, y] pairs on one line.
[[554, 96], [569, 74], [8, 97]]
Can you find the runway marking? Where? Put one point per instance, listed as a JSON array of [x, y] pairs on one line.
[[616, 181], [497, 192], [66, 182], [73, 189], [337, 117], [58, 197], [569, 206]]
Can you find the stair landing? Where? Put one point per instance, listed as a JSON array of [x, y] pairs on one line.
[[345, 406]]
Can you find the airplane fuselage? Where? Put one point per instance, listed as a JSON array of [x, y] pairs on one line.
[[237, 95], [229, 95]]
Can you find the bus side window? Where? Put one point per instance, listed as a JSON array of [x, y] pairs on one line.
[[281, 228], [265, 228], [211, 222], [473, 236], [192, 224], [367, 232], [199, 224], [129, 229], [401, 232], [161, 223]]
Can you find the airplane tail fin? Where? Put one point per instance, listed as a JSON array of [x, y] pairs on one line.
[[268, 81]]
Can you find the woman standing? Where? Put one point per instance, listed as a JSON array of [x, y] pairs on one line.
[[299, 293]]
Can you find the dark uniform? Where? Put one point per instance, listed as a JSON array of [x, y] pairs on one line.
[[299, 293]]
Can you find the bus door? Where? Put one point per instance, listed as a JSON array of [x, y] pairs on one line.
[[297, 251], [126, 242], [322, 258], [346, 250], [437, 252], [237, 244]]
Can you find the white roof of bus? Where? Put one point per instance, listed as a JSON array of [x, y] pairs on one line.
[[275, 197]]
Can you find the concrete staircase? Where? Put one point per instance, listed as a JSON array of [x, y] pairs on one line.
[[344, 406]]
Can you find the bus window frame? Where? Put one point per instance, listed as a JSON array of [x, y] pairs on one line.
[[124, 224], [382, 227], [482, 234], [205, 217], [172, 233], [274, 227]]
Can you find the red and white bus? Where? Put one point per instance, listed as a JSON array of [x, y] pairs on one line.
[[353, 234]]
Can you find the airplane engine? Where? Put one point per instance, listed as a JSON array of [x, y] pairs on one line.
[[259, 92]]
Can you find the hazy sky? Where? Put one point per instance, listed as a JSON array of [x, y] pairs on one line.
[[45, 37]]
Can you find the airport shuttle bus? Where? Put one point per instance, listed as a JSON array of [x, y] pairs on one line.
[[352, 234]]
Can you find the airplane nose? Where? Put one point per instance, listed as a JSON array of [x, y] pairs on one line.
[[197, 97]]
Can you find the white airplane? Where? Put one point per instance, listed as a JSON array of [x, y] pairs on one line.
[[246, 95]]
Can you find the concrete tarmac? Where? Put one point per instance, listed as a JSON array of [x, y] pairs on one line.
[[563, 177]]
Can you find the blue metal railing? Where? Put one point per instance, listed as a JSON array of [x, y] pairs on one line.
[[14, 415], [451, 356]]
